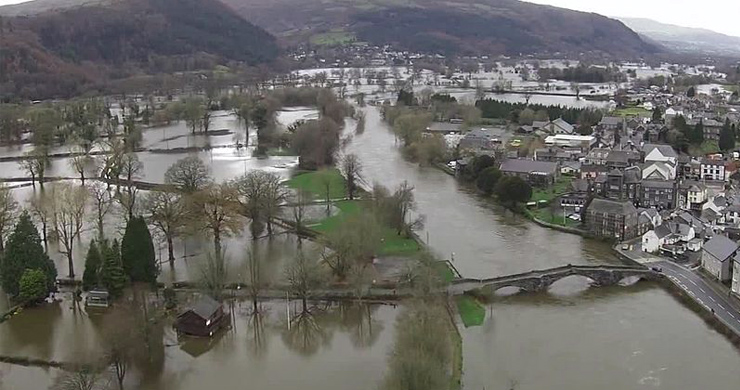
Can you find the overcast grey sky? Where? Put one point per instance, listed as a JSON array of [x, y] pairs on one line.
[[718, 15]]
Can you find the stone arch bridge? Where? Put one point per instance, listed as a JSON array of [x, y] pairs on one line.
[[540, 280]]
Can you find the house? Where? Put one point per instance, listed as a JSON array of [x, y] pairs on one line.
[[591, 172], [584, 142], [671, 114], [570, 168], [659, 194], [558, 126], [204, 319], [611, 123], [692, 195], [443, 128], [597, 156], [717, 257], [622, 158], [619, 184], [713, 170], [540, 173], [479, 139], [654, 239], [670, 237], [732, 214], [659, 153], [657, 170], [612, 219]]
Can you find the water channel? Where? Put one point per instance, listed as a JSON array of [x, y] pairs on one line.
[[574, 337]]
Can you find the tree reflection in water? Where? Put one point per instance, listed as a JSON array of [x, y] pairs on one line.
[[256, 332]]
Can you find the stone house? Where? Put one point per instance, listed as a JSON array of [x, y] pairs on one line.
[[612, 219], [659, 194], [736, 275], [717, 257], [536, 173]]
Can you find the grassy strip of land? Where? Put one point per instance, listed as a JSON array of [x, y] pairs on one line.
[[393, 244], [562, 186], [471, 311], [445, 271], [545, 215], [631, 112], [280, 152], [315, 183]]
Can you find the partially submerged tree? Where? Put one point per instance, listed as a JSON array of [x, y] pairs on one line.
[[69, 213], [137, 253], [213, 275], [189, 175], [168, 214], [354, 242], [305, 276], [8, 212], [102, 201], [112, 275], [93, 263], [24, 251], [217, 211], [351, 168]]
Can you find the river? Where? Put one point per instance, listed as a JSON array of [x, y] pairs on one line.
[[573, 337]]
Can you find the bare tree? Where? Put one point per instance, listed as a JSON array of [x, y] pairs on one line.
[[168, 214], [80, 161], [355, 241], [304, 276], [261, 195], [254, 280], [42, 209], [35, 164], [299, 210], [102, 201], [8, 212], [213, 275], [69, 210], [131, 168], [217, 211], [352, 171], [86, 377], [189, 174]]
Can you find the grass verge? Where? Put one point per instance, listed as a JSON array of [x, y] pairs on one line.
[[471, 311], [562, 186], [315, 183]]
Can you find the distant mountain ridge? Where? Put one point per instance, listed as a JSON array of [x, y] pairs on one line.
[[685, 39], [55, 53], [494, 27]]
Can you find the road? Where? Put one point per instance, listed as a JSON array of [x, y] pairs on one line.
[[702, 292]]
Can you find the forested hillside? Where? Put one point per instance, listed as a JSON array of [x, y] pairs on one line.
[[61, 53]]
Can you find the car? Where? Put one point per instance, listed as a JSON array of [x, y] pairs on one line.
[[656, 269]]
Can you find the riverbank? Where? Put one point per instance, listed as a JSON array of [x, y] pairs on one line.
[[716, 307]]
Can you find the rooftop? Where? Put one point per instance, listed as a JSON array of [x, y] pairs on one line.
[[720, 247], [611, 207], [528, 166]]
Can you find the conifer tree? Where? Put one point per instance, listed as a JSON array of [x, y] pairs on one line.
[[93, 263], [112, 274], [24, 251], [137, 252]]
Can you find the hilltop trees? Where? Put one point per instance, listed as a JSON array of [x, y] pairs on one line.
[[137, 252], [24, 252]]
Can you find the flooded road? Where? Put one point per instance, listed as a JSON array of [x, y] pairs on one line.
[[573, 337]]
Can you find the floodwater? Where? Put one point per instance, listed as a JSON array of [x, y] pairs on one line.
[[573, 337], [337, 344], [627, 337]]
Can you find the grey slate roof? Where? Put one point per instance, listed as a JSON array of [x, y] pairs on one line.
[[663, 184], [663, 231], [444, 127], [611, 207], [205, 307], [666, 150], [528, 166], [720, 247]]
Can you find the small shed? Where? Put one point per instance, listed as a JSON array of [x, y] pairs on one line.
[[203, 319], [97, 298]]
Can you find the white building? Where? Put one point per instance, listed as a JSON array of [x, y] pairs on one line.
[[569, 140], [713, 170]]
